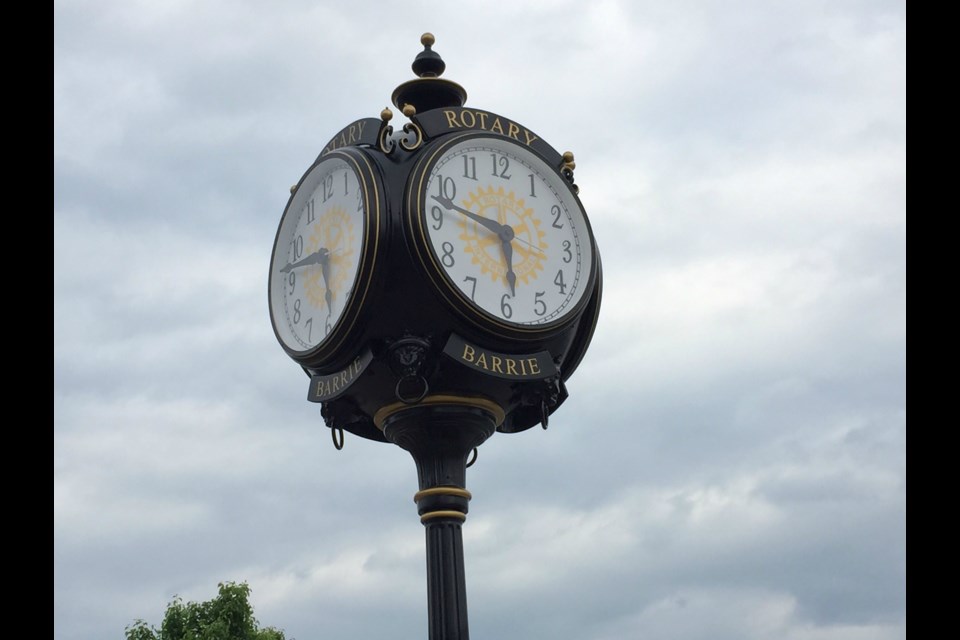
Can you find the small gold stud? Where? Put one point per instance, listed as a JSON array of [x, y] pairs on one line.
[[427, 39], [568, 156], [293, 188], [409, 110], [386, 114]]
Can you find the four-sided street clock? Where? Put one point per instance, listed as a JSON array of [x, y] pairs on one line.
[[448, 262], [436, 284]]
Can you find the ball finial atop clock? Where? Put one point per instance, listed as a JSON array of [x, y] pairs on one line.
[[428, 90], [428, 63]]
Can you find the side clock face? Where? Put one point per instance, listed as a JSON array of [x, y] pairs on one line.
[[501, 233], [323, 254]]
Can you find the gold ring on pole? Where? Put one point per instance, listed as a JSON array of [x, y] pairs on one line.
[[442, 491], [443, 514]]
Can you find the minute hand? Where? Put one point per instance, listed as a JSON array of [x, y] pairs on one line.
[[321, 257], [493, 225]]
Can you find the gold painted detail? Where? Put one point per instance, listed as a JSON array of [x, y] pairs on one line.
[[462, 517], [418, 140], [441, 400], [427, 39], [333, 229], [477, 119], [327, 386], [348, 136], [504, 365], [386, 144], [484, 247], [510, 366], [442, 491], [386, 115]]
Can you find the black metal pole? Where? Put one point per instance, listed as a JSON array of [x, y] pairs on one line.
[[440, 438]]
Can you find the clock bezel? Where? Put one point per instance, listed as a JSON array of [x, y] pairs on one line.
[[416, 221], [327, 351]]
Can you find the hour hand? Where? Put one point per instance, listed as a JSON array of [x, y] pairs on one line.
[[508, 256], [320, 256], [493, 225], [327, 293]]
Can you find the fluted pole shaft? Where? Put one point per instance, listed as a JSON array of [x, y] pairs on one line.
[[440, 439]]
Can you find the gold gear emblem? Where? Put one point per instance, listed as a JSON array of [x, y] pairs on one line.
[[484, 246], [333, 231]]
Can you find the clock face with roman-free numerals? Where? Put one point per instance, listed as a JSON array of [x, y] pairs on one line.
[[501, 233], [324, 253]]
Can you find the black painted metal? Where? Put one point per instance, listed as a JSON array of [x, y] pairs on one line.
[[428, 91], [440, 439], [446, 583]]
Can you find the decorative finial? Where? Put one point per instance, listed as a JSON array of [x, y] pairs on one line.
[[428, 63], [566, 169], [428, 91], [386, 115]]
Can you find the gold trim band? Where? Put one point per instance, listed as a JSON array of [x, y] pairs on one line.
[[443, 514], [442, 491], [440, 400]]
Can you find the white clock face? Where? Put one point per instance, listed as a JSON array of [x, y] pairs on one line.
[[507, 232], [317, 255]]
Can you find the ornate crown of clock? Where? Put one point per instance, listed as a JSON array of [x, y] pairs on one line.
[[450, 259]]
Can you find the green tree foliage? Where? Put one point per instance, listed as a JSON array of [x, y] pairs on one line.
[[229, 616]]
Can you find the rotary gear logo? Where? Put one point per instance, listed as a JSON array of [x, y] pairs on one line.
[[484, 246], [333, 231]]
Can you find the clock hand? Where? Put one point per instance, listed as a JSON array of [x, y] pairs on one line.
[[537, 249], [320, 256], [493, 225], [327, 294], [503, 231], [505, 239]]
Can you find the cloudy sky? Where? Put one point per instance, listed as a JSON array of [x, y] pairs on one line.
[[731, 461]]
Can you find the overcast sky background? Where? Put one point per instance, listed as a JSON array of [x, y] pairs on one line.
[[730, 464]]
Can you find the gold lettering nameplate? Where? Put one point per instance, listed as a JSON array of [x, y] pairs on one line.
[[512, 366]]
